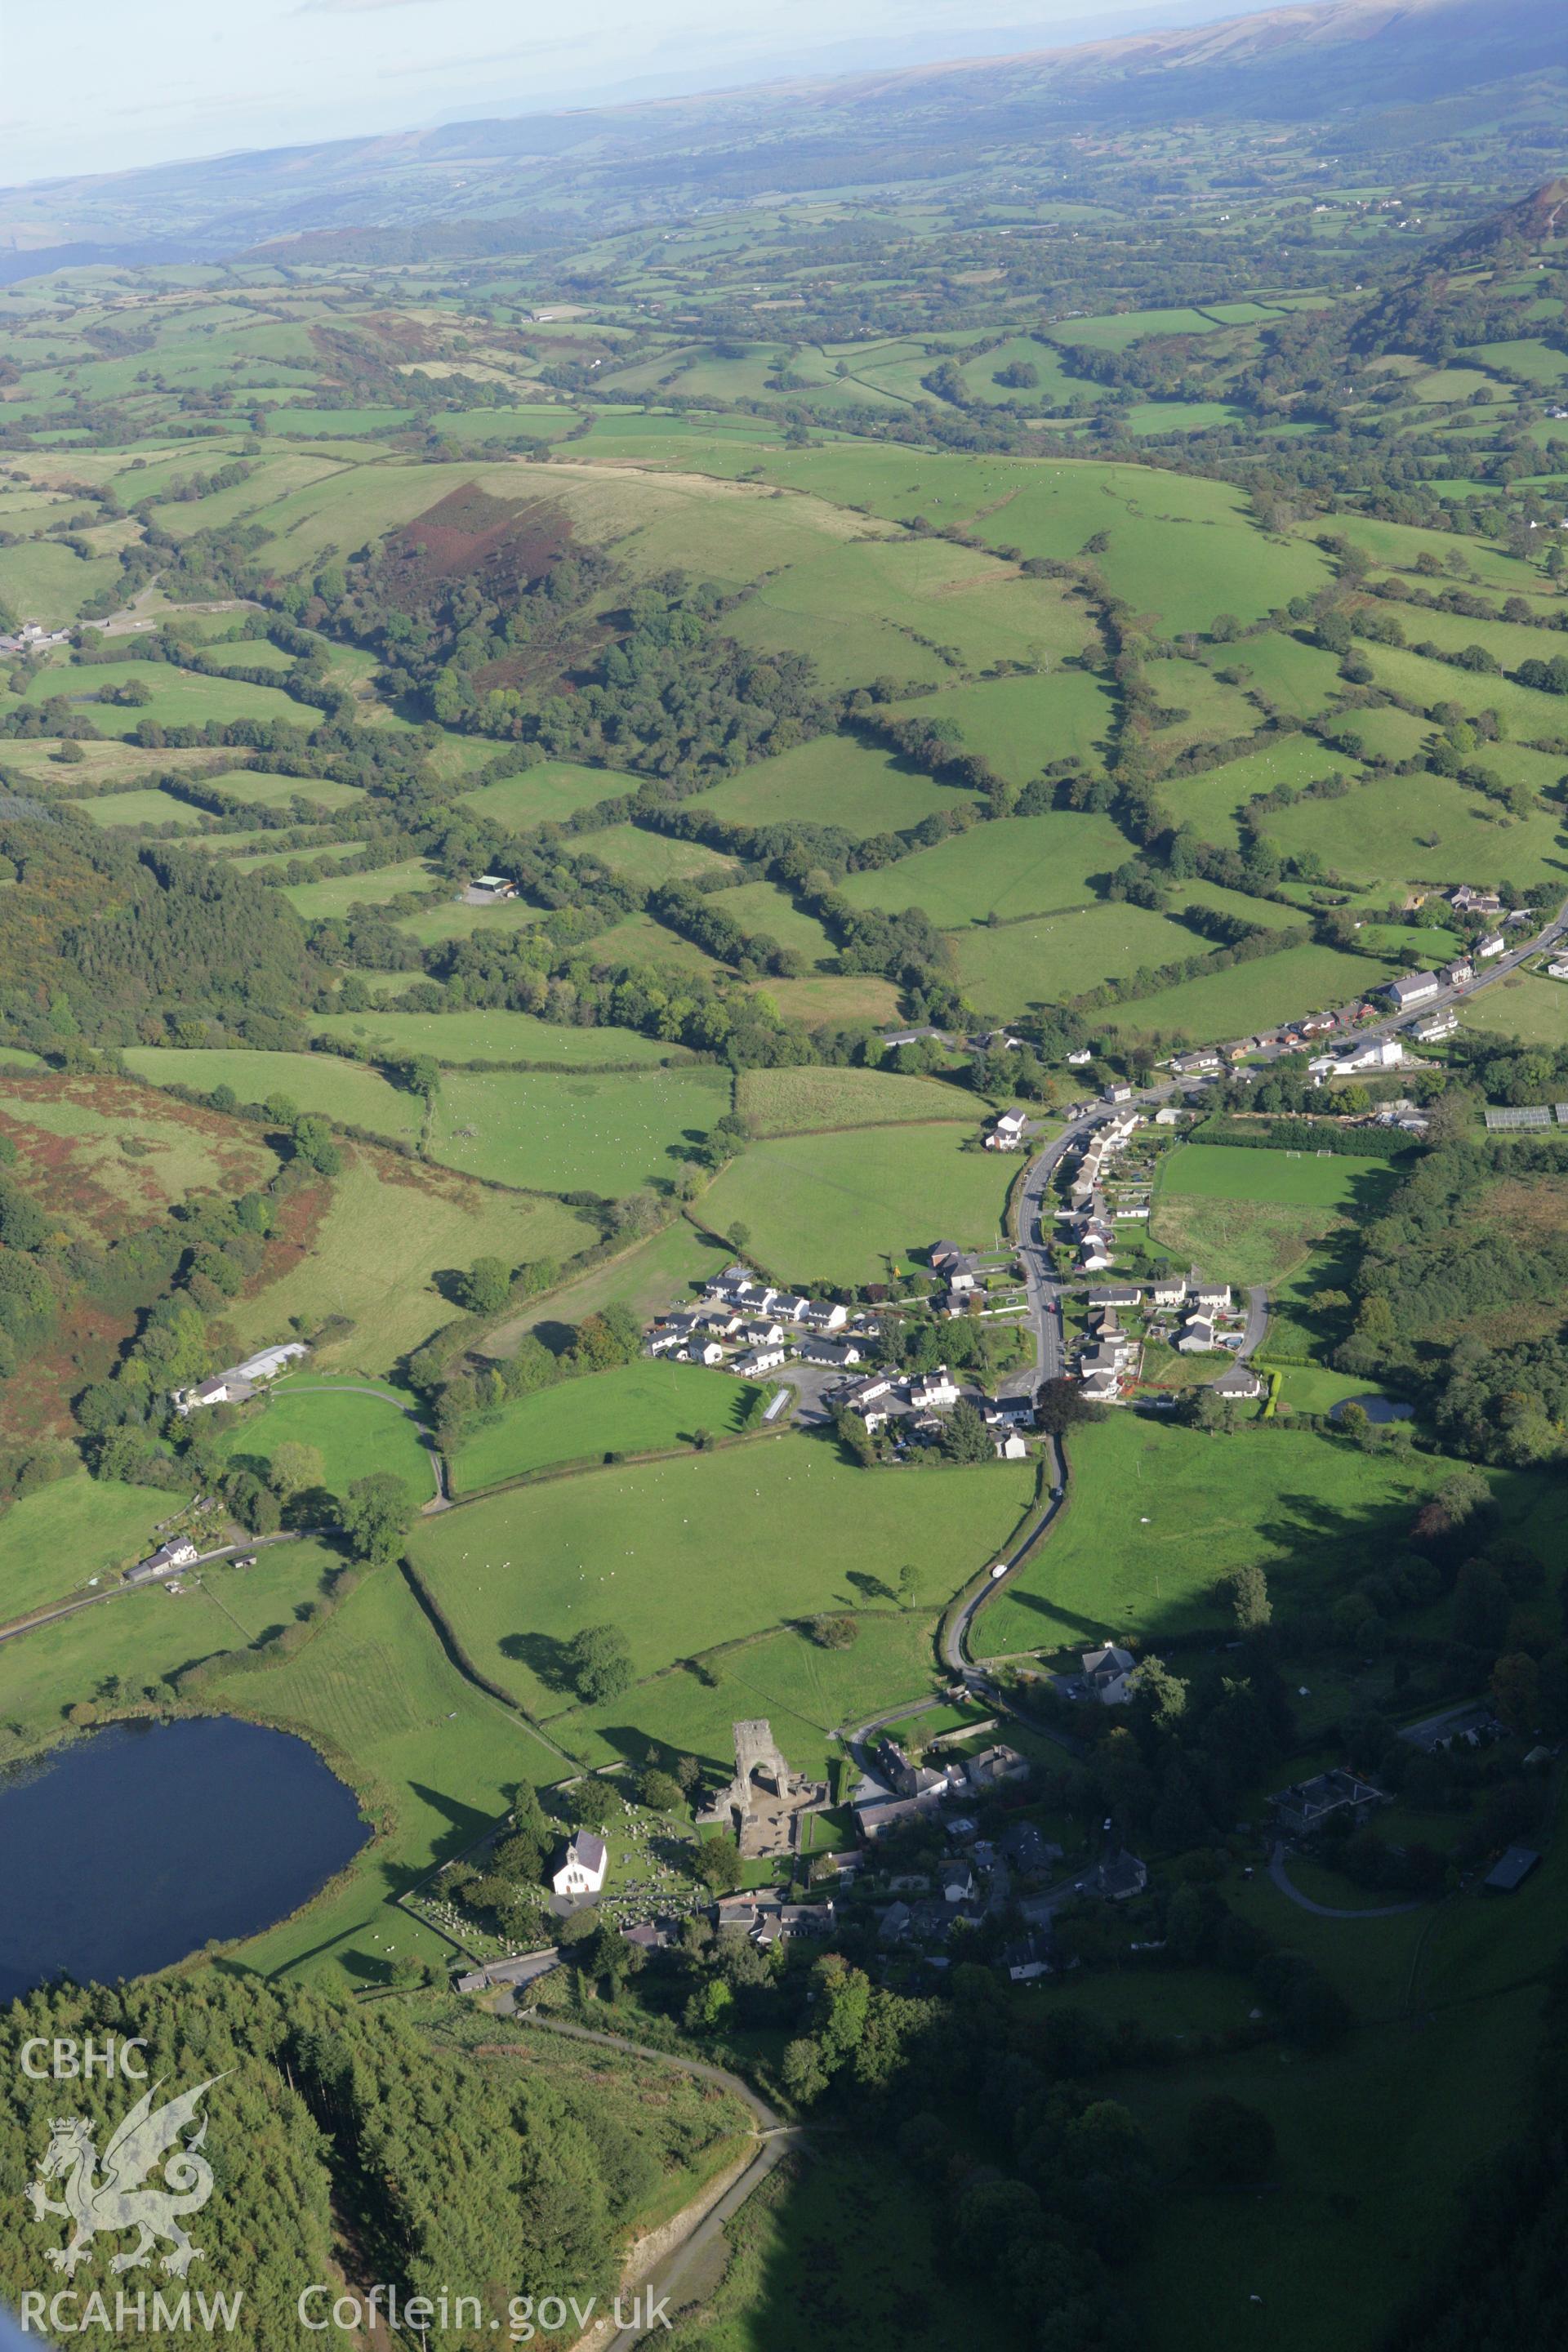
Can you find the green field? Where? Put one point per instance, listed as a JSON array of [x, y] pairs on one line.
[[1246, 997], [642, 1409], [1043, 958], [638, 855], [835, 1208], [1246, 1223], [544, 794], [431, 1755], [55, 1538], [1158, 1515], [342, 1091], [1301, 1180], [1535, 1010], [547, 1132], [492, 1036], [806, 1692], [390, 1226], [835, 780], [320, 902], [1023, 866], [686, 1554], [356, 1435], [794, 1102], [148, 806]]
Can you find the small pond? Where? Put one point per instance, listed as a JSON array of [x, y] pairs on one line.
[[1376, 1408]]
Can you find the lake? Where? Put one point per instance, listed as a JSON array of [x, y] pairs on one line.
[[1376, 1408], [127, 1849]]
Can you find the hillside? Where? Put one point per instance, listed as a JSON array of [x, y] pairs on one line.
[[1282, 64]]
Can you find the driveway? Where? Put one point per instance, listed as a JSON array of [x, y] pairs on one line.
[[1277, 1872]]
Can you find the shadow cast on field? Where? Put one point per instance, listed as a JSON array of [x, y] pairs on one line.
[[543, 1654]]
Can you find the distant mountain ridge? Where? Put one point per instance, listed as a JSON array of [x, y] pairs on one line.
[[1331, 58]]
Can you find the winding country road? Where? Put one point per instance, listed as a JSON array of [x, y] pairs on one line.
[[776, 2138], [1282, 1880]]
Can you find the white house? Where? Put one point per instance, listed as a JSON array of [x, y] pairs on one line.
[[1010, 1448], [1168, 1293], [1105, 1670], [1459, 974], [1081, 1059], [824, 1314], [1558, 969], [1492, 945], [1437, 1026], [1213, 1296], [1196, 1337], [1414, 988], [1007, 1134], [583, 1870], [765, 1359], [934, 1391]]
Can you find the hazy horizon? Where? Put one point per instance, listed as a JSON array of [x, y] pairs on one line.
[[296, 72]]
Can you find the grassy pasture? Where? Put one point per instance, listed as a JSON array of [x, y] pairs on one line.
[[1247, 1224], [314, 1082], [321, 902], [1210, 801], [640, 940], [432, 1753], [56, 1537], [493, 1036], [41, 579], [1158, 1515], [258, 790], [794, 1102], [390, 1226], [1284, 673], [808, 1693], [1019, 866], [356, 1435], [179, 698], [642, 1407], [697, 1550], [828, 999], [545, 795], [1250, 996], [1043, 958], [147, 806], [1533, 1009], [1401, 829], [610, 1133], [763, 908], [833, 1208], [648, 857], [1019, 723], [835, 780]]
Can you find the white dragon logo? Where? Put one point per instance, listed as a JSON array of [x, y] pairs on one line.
[[118, 2200]]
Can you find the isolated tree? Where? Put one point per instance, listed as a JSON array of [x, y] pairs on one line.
[[1249, 1599], [660, 1792], [835, 1632], [599, 1660], [376, 1514]]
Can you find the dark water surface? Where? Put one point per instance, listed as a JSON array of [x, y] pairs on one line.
[[135, 1845]]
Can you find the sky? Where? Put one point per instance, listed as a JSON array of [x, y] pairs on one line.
[[149, 81]]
